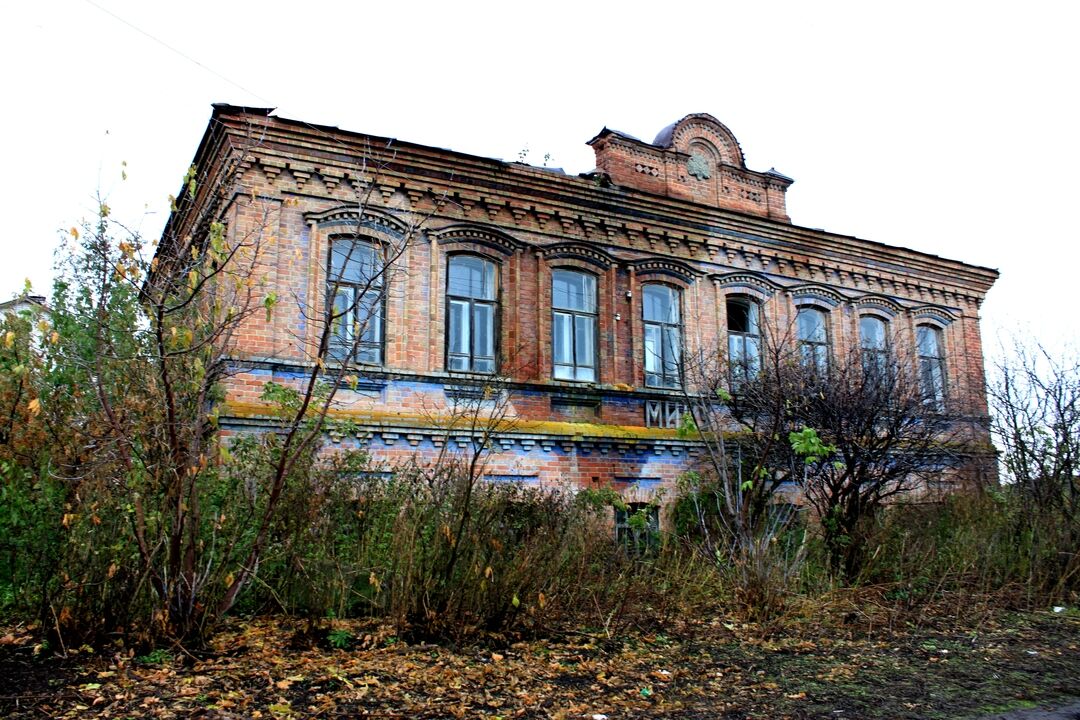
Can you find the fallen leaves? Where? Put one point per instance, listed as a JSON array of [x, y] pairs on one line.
[[703, 670]]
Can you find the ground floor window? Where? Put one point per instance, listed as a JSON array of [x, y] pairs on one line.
[[637, 528]]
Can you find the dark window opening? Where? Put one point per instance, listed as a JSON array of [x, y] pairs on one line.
[[744, 341], [637, 528]]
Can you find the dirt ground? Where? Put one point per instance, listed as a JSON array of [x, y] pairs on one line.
[[1068, 712], [1004, 667]]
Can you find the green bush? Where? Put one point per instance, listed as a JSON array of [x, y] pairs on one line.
[[985, 542]]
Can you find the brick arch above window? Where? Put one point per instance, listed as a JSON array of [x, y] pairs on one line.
[[816, 295], [364, 221], [936, 316], [750, 283], [577, 251], [476, 234], [878, 305], [664, 270]]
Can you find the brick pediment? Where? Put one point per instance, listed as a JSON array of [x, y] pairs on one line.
[[696, 158]]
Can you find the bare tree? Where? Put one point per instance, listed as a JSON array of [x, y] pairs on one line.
[[853, 436], [746, 459], [1036, 405], [850, 436]]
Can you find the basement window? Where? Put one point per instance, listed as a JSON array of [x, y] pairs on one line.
[[637, 528]]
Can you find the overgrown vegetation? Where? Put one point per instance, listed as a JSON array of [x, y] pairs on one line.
[[125, 514]]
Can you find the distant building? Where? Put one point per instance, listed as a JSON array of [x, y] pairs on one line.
[[582, 290], [32, 303]]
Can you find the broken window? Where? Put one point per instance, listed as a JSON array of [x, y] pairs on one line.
[[744, 340]]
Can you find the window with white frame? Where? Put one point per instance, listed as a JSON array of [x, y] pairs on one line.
[[663, 336], [355, 293], [813, 337], [573, 325], [471, 314], [931, 351], [744, 340]]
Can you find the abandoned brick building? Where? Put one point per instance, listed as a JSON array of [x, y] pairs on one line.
[[580, 291]]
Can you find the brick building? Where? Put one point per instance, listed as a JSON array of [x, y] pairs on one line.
[[582, 291]]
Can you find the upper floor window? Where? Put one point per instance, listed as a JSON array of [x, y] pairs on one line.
[[874, 342], [471, 311], [813, 336], [355, 292], [744, 340], [663, 336], [573, 325], [931, 351]]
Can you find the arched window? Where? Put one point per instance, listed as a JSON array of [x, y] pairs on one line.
[[663, 336], [355, 300], [744, 340], [573, 325], [874, 342], [471, 314], [813, 335], [931, 350]]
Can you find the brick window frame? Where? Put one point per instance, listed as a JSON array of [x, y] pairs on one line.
[[564, 256], [578, 317], [372, 226], [740, 365], [931, 364], [495, 303], [674, 379], [874, 354], [815, 352], [678, 277], [370, 352]]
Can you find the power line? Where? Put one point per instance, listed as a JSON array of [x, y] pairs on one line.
[[169, 47], [207, 68]]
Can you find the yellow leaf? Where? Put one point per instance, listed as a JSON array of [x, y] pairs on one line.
[[9, 339], [34, 406], [74, 232]]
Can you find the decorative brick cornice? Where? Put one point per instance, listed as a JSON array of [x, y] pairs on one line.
[[529, 436], [530, 199]]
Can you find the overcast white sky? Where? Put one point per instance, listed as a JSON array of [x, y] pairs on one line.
[[946, 127]]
